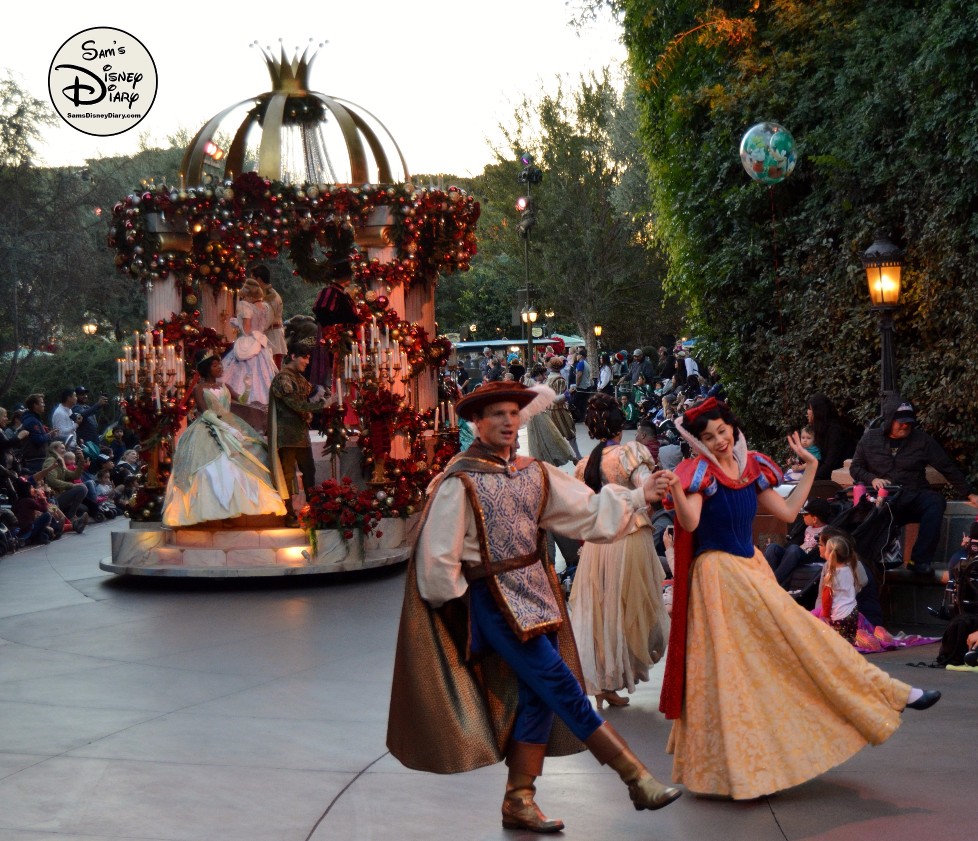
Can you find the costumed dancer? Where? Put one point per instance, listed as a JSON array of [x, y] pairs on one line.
[[291, 406], [560, 412], [741, 650], [275, 330], [249, 367], [485, 656], [220, 465], [620, 622]]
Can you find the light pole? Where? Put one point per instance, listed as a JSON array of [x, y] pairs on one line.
[[90, 327], [529, 175], [883, 263], [529, 316], [472, 328]]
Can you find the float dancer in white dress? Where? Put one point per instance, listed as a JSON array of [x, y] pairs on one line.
[[249, 366]]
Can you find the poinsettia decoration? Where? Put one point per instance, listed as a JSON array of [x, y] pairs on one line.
[[341, 506]]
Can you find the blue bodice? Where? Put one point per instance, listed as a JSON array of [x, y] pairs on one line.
[[726, 523]]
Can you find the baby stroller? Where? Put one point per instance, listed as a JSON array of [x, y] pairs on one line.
[[874, 529]]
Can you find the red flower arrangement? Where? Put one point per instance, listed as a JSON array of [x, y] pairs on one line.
[[340, 506]]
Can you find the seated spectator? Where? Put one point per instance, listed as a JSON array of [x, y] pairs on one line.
[[127, 465], [640, 391], [648, 436], [109, 494], [85, 478], [834, 436], [630, 411], [31, 511], [10, 441], [898, 453], [784, 560], [34, 449], [69, 496], [670, 445]]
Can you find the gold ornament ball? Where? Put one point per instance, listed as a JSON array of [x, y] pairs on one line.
[[190, 300]]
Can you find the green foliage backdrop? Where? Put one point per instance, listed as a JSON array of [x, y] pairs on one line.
[[881, 100]]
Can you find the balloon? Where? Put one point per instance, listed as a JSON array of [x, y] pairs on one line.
[[767, 152]]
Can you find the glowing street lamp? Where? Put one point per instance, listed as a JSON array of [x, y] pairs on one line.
[[883, 263]]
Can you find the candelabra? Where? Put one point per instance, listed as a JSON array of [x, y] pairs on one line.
[[151, 374], [373, 366], [373, 358]]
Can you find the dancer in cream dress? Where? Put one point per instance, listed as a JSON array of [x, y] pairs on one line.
[[619, 620]]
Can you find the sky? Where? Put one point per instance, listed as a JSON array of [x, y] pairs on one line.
[[440, 74]]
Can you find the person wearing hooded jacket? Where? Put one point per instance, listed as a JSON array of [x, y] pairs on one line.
[[898, 453]]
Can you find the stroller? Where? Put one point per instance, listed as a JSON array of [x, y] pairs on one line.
[[874, 529]]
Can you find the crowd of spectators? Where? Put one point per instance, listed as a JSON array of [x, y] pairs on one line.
[[62, 470]]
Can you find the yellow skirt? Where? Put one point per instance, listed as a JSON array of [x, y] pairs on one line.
[[773, 696]]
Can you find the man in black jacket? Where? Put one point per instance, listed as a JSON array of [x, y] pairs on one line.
[[898, 453]]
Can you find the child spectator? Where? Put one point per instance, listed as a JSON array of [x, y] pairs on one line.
[[785, 559], [838, 585], [31, 511], [807, 436], [630, 411], [640, 391]]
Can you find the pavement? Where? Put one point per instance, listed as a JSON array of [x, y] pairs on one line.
[[164, 710]]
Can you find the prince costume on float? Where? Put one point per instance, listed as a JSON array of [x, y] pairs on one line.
[[486, 668]]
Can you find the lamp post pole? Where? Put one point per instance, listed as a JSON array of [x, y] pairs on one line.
[[888, 372], [529, 176]]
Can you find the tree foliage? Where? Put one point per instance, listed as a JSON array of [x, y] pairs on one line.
[[588, 256], [881, 99]]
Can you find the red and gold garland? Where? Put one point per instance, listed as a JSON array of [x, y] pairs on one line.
[[212, 234]]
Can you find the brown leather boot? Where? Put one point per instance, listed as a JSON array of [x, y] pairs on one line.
[[646, 791], [525, 763]]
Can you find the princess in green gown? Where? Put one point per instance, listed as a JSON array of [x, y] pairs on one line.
[[220, 466]]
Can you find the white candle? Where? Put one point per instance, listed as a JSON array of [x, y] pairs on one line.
[[122, 375], [451, 414], [156, 396], [339, 391], [128, 352], [436, 418]]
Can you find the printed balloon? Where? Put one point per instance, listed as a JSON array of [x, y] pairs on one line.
[[767, 152]]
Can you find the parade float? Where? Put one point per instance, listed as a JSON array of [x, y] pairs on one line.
[[320, 181]]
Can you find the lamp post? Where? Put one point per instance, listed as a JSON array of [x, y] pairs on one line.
[[529, 316], [529, 176], [883, 263], [90, 327], [598, 330], [472, 328]]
